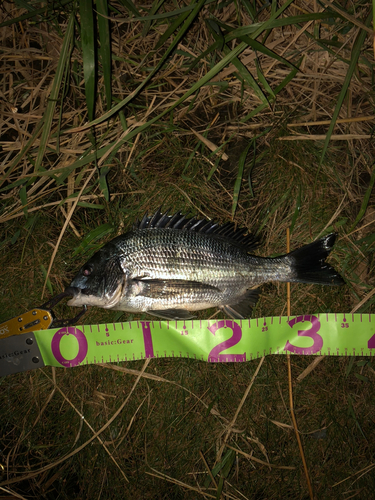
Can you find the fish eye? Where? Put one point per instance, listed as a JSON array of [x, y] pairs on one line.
[[87, 270]]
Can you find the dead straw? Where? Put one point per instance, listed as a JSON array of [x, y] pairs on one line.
[[24, 477], [170, 479], [84, 420], [291, 402], [66, 223], [230, 427]]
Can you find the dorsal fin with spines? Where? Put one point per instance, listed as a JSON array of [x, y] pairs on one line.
[[179, 221]]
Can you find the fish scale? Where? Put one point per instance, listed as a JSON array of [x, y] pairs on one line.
[[171, 265], [192, 255]]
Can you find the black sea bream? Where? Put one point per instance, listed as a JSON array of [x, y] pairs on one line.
[[170, 266]]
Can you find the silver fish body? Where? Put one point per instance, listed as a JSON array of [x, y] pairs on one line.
[[170, 266]]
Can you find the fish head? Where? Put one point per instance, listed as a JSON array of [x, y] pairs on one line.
[[100, 281]]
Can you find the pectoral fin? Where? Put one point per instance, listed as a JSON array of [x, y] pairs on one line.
[[156, 289]]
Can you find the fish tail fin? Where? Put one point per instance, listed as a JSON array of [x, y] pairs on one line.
[[308, 263]]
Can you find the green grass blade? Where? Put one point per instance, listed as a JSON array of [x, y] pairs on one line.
[[172, 28], [170, 49], [228, 462], [250, 9], [253, 162], [24, 5], [214, 168], [95, 234], [245, 74], [365, 201], [271, 211], [23, 197], [263, 80], [37, 12], [356, 51], [259, 47], [325, 46], [154, 8], [105, 49], [128, 4], [269, 31], [86, 204], [10, 240], [297, 210], [216, 32], [63, 93], [279, 23], [103, 182], [215, 46], [267, 24], [254, 44], [48, 115], [282, 85], [22, 153], [350, 366], [166, 15], [208, 76], [237, 184], [242, 70], [48, 282], [64, 172], [224, 465], [351, 412], [88, 53], [205, 79]]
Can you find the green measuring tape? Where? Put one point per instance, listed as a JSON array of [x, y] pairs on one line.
[[206, 340]]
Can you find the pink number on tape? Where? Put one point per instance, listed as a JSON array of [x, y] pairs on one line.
[[371, 342], [215, 354], [311, 332], [147, 339], [82, 346]]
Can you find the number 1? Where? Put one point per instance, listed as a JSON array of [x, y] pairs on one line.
[[147, 339]]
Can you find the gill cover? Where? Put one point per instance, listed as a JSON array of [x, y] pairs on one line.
[[100, 281]]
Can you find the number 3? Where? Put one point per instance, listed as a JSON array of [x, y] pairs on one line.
[[311, 332]]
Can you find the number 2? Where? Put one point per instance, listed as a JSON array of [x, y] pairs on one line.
[[215, 354], [311, 332]]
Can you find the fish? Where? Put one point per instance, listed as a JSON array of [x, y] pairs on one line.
[[171, 266]]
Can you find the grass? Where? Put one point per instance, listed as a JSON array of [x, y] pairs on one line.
[[156, 107]]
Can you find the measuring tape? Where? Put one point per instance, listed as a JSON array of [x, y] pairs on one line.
[[206, 340]]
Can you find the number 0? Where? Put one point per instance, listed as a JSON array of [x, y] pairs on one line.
[[82, 346]]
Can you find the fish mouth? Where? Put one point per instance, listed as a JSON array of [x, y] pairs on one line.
[[81, 298], [72, 291], [78, 298]]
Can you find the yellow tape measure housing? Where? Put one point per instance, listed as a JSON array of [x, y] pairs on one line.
[[30, 321]]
